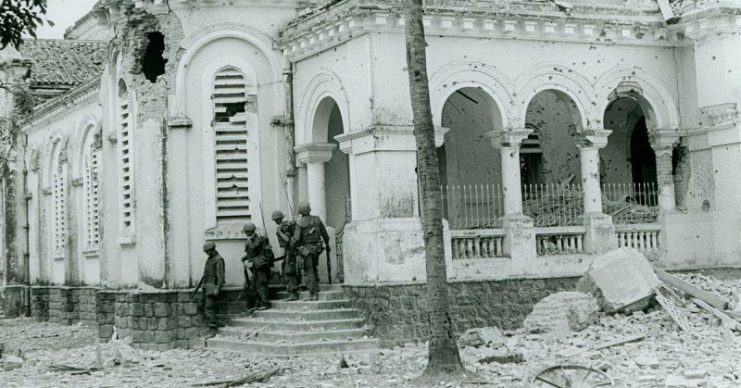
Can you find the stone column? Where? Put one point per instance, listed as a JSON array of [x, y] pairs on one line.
[[600, 232], [519, 239], [314, 156], [663, 143]]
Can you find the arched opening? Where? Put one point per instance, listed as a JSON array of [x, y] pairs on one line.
[[327, 125], [470, 168], [550, 161], [628, 163]]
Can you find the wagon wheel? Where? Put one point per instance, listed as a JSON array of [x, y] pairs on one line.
[[571, 376]]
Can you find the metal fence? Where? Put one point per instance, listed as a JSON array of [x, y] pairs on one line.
[[548, 204], [553, 204], [473, 206], [631, 203]]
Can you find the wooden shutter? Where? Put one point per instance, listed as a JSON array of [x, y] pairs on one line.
[[230, 132]]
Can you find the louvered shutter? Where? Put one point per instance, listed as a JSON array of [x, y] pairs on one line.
[[230, 132], [58, 196], [124, 142]]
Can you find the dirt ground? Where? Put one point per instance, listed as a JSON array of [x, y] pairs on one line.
[[665, 357]]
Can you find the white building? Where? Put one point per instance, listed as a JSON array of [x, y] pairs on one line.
[[563, 132]]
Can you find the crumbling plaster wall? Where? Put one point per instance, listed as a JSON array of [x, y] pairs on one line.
[[138, 258]]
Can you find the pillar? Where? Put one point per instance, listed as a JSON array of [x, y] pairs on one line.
[[599, 234], [663, 143], [314, 156], [519, 238]]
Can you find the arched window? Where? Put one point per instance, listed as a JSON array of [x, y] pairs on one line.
[[231, 103], [125, 165], [59, 202], [90, 185]]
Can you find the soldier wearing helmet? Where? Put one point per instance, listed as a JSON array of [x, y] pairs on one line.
[[213, 282], [291, 272], [307, 238], [259, 259]]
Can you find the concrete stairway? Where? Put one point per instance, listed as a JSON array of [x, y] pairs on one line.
[[298, 328]]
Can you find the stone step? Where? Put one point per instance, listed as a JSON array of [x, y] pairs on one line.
[[297, 326], [306, 315], [307, 305], [274, 349], [323, 295], [283, 337]]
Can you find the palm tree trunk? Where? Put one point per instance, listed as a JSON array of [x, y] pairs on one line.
[[443, 356]]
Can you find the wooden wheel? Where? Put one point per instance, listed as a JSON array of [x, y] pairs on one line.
[[571, 376]]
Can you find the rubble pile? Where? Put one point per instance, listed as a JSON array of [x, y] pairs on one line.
[[562, 312]]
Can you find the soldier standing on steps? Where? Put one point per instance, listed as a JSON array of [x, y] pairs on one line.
[[212, 282], [307, 238], [259, 259], [284, 231]]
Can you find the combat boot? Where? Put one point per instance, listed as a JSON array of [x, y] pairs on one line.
[[292, 297]]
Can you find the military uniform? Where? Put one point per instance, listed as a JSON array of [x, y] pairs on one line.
[[291, 272], [212, 283], [259, 254], [307, 238]]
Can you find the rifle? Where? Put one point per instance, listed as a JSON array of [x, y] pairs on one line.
[[193, 294], [288, 200], [329, 267]]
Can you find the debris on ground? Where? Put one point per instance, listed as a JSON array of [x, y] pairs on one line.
[[482, 336], [562, 312], [622, 280]]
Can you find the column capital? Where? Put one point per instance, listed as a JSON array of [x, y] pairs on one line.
[[663, 140], [508, 138], [593, 138], [314, 152]]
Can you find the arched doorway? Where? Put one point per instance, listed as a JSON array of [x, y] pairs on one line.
[[326, 126], [470, 168], [551, 162], [628, 163]]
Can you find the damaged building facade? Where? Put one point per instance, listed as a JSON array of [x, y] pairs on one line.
[[563, 132]]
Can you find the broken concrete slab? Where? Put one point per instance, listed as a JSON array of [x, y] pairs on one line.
[[622, 280], [482, 336], [563, 313]]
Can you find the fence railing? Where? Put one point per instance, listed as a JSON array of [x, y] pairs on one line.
[[548, 204], [643, 237], [564, 240], [631, 203], [553, 204], [477, 244], [473, 206]]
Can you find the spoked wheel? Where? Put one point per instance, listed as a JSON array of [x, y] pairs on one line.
[[571, 376]]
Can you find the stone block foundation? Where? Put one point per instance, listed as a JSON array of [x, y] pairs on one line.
[[153, 319], [398, 313]]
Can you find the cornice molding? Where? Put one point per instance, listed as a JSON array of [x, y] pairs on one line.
[[522, 21]]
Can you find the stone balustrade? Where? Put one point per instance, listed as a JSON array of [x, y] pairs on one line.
[[643, 237], [477, 243]]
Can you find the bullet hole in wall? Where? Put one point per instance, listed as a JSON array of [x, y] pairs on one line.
[[152, 62]]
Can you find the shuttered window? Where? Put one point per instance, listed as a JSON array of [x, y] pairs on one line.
[[59, 205], [125, 155], [230, 133], [91, 168]]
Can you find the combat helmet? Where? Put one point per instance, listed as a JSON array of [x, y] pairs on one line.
[[249, 228], [304, 209], [277, 215]]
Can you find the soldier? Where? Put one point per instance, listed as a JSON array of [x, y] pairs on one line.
[[307, 238], [284, 231], [213, 282], [259, 259]]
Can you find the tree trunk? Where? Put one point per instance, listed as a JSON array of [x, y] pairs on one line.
[[443, 356]]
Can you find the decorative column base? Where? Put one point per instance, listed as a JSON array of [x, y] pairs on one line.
[[600, 234], [519, 237]]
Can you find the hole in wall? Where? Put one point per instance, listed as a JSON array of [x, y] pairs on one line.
[[152, 62]]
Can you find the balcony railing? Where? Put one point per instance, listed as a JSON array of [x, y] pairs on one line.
[[477, 244], [643, 237], [565, 240]]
